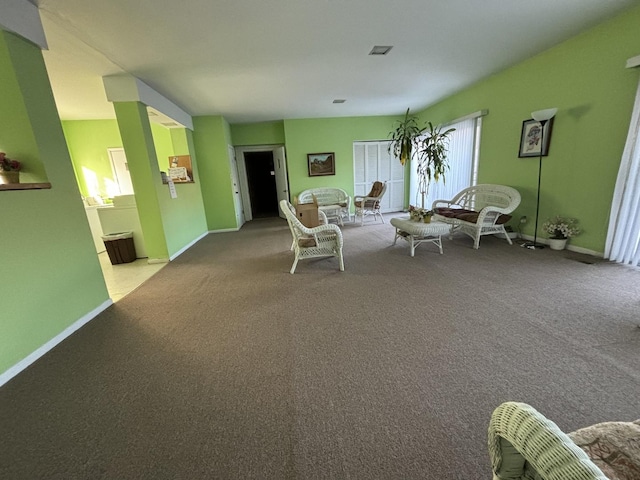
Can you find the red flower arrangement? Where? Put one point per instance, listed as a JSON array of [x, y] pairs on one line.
[[8, 165]]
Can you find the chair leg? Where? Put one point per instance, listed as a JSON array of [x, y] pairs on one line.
[[293, 267], [341, 261]]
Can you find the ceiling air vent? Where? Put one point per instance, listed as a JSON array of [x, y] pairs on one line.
[[339, 100], [380, 50]]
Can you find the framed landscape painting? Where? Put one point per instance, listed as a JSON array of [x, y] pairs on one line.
[[321, 164]]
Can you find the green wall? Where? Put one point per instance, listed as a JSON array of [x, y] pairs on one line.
[[211, 136], [263, 133], [50, 269], [88, 141], [329, 135], [586, 79], [181, 219]]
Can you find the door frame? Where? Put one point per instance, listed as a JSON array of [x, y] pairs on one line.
[[242, 174]]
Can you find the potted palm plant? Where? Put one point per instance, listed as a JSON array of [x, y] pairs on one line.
[[430, 146], [405, 137], [432, 157]]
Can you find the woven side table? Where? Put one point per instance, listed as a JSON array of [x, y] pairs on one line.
[[416, 233]]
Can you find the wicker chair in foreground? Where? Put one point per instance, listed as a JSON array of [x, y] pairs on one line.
[[525, 445], [324, 240]]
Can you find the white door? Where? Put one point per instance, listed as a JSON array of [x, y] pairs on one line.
[[282, 181], [121, 170], [372, 162], [235, 185]]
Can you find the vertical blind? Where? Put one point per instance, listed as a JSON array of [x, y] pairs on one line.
[[463, 165]]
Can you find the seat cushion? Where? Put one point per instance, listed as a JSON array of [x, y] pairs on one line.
[[613, 446], [368, 204], [473, 218], [307, 242], [452, 212], [376, 190]]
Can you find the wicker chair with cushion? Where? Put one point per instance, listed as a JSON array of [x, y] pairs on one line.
[[322, 241], [525, 445], [479, 210], [370, 204]]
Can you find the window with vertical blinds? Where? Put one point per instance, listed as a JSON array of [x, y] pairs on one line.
[[372, 162], [463, 153]]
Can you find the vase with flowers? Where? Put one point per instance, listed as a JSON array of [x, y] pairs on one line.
[[9, 169], [418, 214], [560, 230]]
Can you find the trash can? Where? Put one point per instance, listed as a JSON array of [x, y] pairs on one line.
[[120, 247]]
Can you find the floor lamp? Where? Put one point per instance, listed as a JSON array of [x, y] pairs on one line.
[[542, 116]]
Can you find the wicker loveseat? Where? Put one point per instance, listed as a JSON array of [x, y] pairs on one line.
[[479, 210], [334, 202], [525, 445]]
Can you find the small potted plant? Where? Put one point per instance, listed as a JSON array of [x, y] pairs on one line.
[[418, 214], [9, 169], [560, 230]]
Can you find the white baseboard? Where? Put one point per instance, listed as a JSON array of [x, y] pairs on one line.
[[570, 247], [36, 354], [223, 230], [187, 247]]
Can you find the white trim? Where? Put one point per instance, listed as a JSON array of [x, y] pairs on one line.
[[573, 248], [187, 247], [224, 230], [23, 18], [36, 354], [479, 113], [127, 88], [153, 261], [633, 62]]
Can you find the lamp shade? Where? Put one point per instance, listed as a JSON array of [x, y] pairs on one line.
[[542, 115]]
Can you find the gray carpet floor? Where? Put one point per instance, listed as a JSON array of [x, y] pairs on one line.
[[225, 366]]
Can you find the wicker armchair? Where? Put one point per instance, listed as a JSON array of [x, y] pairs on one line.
[[370, 204], [322, 241], [479, 210], [525, 445]]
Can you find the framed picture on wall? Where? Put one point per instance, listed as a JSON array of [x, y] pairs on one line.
[[531, 138], [180, 169], [321, 164]]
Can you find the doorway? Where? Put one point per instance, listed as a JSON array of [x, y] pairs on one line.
[[262, 170], [261, 180]]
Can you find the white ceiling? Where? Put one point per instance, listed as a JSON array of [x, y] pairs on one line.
[[258, 60]]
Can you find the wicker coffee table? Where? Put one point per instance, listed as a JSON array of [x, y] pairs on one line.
[[416, 233]]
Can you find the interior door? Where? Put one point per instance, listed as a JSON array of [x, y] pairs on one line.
[[282, 180], [121, 170], [235, 185]]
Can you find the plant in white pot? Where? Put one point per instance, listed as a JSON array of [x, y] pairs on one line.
[[560, 230]]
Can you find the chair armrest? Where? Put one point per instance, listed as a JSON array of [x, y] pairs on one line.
[[490, 209], [519, 433], [328, 228]]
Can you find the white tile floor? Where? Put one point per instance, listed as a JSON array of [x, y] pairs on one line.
[[123, 278]]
